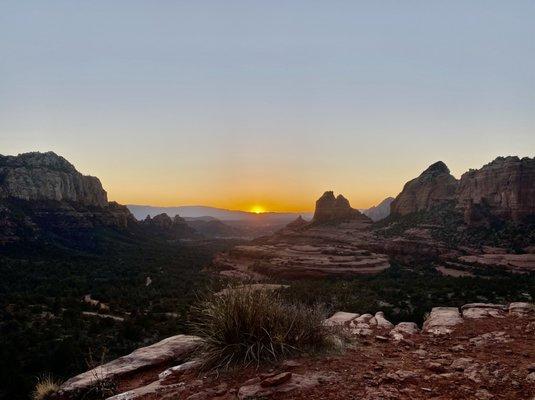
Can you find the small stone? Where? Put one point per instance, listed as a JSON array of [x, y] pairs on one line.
[[381, 338]]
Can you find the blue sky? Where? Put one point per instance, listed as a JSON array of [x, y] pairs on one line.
[[237, 103]]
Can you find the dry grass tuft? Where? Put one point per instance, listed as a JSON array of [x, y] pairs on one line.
[[245, 326], [45, 388]]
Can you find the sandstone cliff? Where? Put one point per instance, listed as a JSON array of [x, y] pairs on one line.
[[435, 186], [335, 209], [43, 194], [501, 190], [47, 176], [504, 188]]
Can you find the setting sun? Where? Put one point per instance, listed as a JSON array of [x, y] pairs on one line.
[[258, 209]]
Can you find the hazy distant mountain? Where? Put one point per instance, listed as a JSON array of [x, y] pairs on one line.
[[140, 212], [380, 211]]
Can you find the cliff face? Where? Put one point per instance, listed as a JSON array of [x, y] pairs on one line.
[[42, 193], [47, 176], [433, 187], [504, 188], [334, 209]]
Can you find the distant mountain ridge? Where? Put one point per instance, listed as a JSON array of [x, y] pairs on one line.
[[141, 211]]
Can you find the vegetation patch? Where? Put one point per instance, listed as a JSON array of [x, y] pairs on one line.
[[242, 326]]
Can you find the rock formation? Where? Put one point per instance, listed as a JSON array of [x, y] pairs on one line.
[[504, 189], [297, 224], [335, 209], [163, 225], [47, 176], [380, 211], [43, 194], [435, 186], [501, 190]]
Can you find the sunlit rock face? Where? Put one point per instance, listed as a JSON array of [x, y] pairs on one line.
[[47, 176], [334, 209], [42, 193], [504, 189], [435, 186]]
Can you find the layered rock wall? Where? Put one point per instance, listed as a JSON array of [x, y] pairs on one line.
[[504, 188], [47, 176]]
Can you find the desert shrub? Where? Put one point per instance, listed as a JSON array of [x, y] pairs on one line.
[[246, 326], [45, 388]]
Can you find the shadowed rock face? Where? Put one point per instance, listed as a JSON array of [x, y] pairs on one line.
[[334, 209], [47, 176], [165, 226], [433, 187], [504, 188]]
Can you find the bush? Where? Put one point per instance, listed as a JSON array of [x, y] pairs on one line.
[[45, 388], [247, 326]]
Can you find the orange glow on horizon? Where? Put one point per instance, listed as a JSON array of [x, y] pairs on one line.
[[257, 209]]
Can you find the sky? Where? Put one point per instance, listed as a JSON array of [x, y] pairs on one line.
[[242, 104]]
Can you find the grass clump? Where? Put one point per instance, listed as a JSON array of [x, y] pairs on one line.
[[247, 326], [45, 388]]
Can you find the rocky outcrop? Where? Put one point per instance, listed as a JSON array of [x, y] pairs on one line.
[[435, 186], [473, 357], [380, 211], [162, 225], [47, 176], [42, 194], [297, 224], [503, 189], [171, 349], [335, 209]]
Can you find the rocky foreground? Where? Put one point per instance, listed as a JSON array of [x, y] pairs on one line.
[[481, 351]]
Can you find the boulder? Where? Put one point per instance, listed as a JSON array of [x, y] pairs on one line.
[[442, 320], [171, 349], [382, 322], [404, 329], [341, 318]]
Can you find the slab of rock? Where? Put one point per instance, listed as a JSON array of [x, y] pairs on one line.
[[173, 348], [341, 318], [483, 310], [442, 320], [521, 309], [253, 388], [404, 329]]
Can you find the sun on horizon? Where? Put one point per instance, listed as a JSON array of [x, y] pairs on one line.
[[257, 209]]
